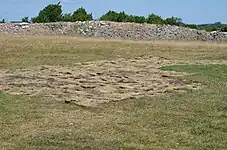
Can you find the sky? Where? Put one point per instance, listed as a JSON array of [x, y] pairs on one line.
[[191, 11]]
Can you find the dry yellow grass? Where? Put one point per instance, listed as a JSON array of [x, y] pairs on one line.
[[27, 51], [192, 120]]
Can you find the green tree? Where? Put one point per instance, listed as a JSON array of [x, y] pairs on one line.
[[81, 15], [154, 19], [224, 29], [211, 28], [51, 13], [218, 24], [173, 21], [122, 17], [67, 17], [139, 19], [192, 26], [25, 19], [131, 18], [3, 21], [110, 16]]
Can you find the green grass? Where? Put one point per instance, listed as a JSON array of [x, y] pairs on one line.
[[211, 72], [183, 121], [196, 120]]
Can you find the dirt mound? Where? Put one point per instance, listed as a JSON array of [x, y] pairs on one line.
[[93, 83]]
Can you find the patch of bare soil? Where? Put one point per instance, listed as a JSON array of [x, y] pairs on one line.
[[93, 83]]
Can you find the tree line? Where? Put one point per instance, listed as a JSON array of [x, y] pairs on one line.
[[54, 13]]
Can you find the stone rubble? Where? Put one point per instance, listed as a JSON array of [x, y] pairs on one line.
[[106, 29]]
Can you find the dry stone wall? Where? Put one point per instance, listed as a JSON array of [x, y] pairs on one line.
[[131, 31]]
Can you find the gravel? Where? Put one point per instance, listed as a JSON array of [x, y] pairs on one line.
[[130, 31]]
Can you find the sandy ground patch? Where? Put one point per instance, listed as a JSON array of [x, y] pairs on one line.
[[93, 83]]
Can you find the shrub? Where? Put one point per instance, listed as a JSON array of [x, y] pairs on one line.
[[224, 29], [25, 19], [67, 17], [3, 21], [154, 19], [139, 19], [110, 16], [81, 15], [192, 26], [173, 21], [51, 13]]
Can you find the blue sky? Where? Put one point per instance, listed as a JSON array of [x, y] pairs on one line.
[[191, 11]]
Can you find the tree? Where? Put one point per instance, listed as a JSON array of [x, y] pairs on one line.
[[109, 16], [218, 24], [122, 17], [211, 28], [139, 19], [66, 17], [3, 21], [224, 29], [25, 19], [154, 19], [117, 17], [51, 13], [131, 18], [173, 21], [192, 26], [81, 15]]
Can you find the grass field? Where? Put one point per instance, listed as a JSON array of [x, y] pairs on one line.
[[193, 119]]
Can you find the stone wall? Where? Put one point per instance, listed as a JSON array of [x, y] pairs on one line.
[[131, 31]]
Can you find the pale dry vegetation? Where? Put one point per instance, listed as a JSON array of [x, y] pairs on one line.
[[38, 74]]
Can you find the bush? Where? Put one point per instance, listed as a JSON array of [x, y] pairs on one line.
[[224, 29], [139, 19], [173, 21], [67, 18], [154, 19], [3, 21], [110, 16], [211, 28], [192, 26], [81, 15], [131, 18], [25, 19], [122, 17], [51, 13]]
